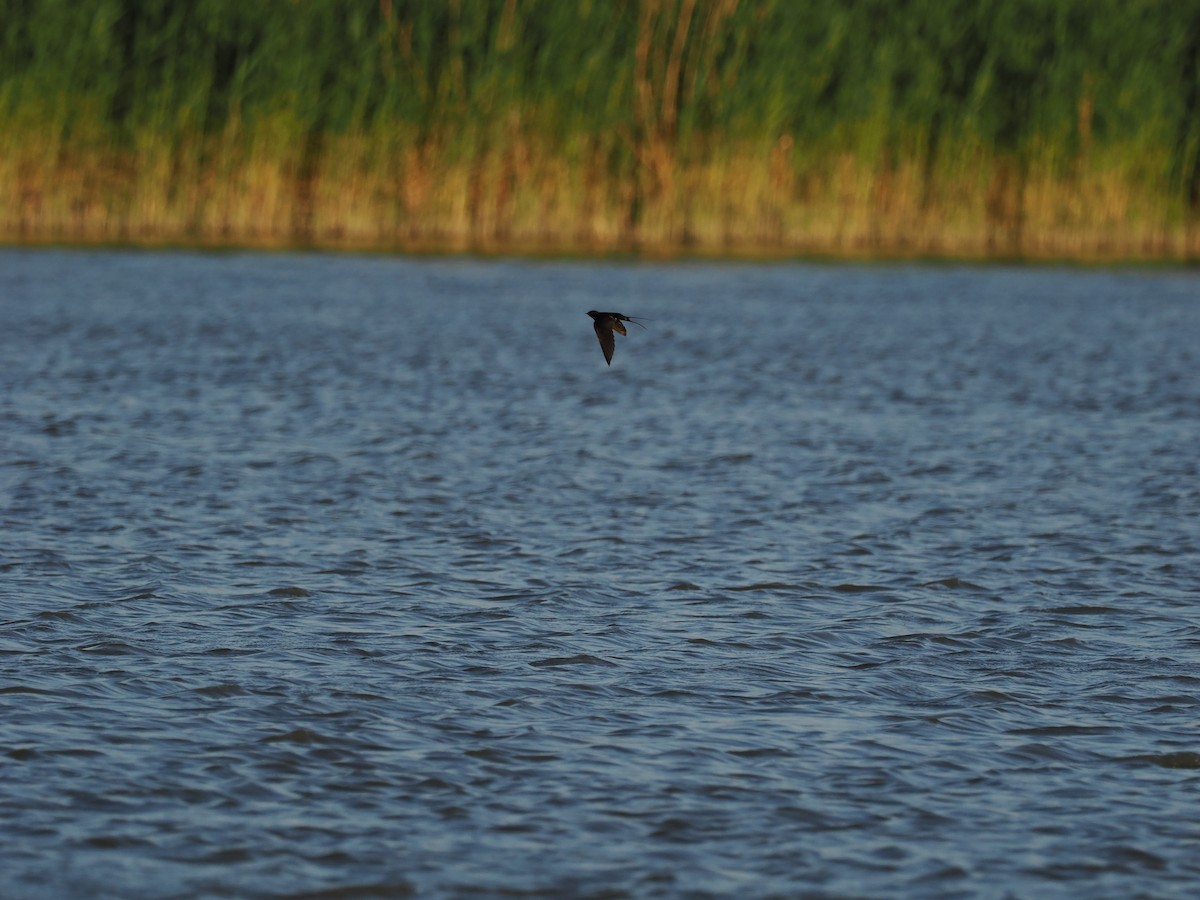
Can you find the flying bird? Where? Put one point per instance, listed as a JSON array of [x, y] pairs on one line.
[[605, 324]]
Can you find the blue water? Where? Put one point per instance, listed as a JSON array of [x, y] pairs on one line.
[[366, 576]]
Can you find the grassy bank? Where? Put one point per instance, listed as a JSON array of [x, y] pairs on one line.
[[1063, 129]]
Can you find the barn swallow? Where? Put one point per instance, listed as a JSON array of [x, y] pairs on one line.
[[605, 324]]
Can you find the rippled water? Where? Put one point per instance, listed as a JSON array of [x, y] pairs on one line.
[[367, 576]]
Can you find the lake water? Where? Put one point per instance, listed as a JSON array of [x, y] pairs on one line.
[[360, 577]]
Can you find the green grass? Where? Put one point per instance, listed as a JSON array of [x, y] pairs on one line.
[[983, 128]]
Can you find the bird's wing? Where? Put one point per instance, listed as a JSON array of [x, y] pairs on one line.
[[607, 342], [616, 323]]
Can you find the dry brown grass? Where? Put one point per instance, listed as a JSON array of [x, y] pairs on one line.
[[387, 193]]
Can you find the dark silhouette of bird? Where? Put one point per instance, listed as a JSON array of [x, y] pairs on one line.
[[605, 324]]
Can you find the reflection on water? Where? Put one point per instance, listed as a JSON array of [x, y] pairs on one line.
[[369, 575]]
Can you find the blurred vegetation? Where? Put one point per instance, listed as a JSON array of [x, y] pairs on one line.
[[1066, 128]]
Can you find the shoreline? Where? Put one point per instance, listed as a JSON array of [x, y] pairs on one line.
[[881, 255]]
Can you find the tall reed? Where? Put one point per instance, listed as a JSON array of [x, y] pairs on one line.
[[944, 127]]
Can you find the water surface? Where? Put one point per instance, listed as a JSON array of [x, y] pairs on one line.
[[368, 576]]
